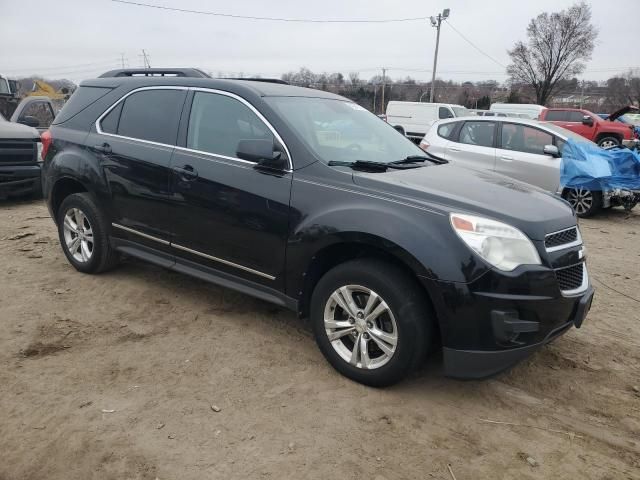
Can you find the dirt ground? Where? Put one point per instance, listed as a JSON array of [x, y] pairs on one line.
[[114, 377]]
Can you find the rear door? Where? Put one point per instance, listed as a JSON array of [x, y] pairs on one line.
[[134, 141], [520, 155], [228, 214], [474, 146]]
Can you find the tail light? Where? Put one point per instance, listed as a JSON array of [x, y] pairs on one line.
[[424, 145], [45, 139]]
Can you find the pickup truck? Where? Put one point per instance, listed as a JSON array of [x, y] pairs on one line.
[[583, 122], [20, 147]]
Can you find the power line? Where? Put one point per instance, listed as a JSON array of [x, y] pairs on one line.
[[270, 19], [473, 45]]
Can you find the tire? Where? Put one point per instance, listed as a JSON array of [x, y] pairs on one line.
[[407, 321], [584, 202], [88, 251], [608, 142]]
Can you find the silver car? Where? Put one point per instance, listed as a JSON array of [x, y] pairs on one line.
[[527, 150]]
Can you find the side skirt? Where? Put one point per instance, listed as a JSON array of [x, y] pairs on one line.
[[202, 272]]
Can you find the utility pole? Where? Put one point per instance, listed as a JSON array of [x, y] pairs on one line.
[[384, 71], [145, 59], [375, 105], [582, 94], [122, 59], [436, 22]]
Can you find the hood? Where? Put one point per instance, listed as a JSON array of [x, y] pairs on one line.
[[17, 131], [618, 113], [448, 188]]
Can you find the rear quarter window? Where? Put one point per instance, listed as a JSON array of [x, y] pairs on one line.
[[80, 99], [447, 129]]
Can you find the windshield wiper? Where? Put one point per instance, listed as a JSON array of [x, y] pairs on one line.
[[371, 166], [420, 158]]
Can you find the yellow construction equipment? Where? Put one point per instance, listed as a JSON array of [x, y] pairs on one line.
[[43, 89]]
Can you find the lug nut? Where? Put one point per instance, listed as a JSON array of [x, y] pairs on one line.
[[369, 325], [352, 321], [366, 335]]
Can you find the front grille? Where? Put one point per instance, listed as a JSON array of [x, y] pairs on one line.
[[570, 278], [17, 152], [561, 238]]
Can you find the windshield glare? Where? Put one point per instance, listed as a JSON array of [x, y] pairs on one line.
[[568, 134], [342, 130]]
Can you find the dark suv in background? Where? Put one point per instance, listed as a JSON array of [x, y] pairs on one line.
[[304, 199]]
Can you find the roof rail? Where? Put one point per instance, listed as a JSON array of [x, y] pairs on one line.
[[259, 79], [155, 72]]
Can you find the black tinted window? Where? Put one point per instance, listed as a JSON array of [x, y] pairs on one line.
[[217, 123], [557, 116], [446, 129], [81, 99], [444, 112], [152, 115], [478, 133], [575, 116], [109, 123]]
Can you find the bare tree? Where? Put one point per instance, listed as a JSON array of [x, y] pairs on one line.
[[556, 48]]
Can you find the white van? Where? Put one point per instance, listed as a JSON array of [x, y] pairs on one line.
[[415, 118], [528, 110]]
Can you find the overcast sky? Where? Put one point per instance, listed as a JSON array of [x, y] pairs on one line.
[[79, 39]]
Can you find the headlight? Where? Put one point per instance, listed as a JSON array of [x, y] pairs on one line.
[[503, 246], [39, 157]]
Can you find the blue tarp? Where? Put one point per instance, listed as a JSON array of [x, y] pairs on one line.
[[586, 165]]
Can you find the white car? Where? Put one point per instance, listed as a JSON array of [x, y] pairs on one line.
[[527, 110], [527, 150]]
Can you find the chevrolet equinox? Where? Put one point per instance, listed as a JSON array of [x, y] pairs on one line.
[[303, 198]]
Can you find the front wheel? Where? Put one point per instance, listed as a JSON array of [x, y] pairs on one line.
[[370, 321], [608, 142], [585, 202]]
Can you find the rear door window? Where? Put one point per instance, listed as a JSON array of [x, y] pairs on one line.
[[557, 116], [522, 138], [217, 124], [481, 134], [151, 115]]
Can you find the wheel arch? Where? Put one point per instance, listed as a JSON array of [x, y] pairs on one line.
[[61, 189], [603, 135]]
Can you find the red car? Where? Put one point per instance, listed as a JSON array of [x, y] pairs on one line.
[[589, 125]]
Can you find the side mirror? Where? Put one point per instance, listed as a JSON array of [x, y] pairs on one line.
[[29, 121], [262, 152], [551, 150], [587, 120]]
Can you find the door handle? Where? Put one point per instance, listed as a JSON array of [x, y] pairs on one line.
[[506, 158], [104, 148], [186, 172], [454, 149]]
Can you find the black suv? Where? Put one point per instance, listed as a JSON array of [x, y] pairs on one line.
[[304, 199]]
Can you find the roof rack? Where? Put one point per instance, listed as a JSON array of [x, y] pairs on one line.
[[259, 79], [155, 72]]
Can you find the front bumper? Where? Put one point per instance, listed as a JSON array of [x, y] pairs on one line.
[[474, 364], [492, 323], [19, 180]]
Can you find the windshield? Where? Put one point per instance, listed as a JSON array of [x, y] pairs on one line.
[[337, 130], [461, 111]]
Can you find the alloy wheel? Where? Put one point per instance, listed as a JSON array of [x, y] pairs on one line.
[[360, 326], [78, 235], [608, 144], [580, 199]]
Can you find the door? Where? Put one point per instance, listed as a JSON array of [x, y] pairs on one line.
[[35, 113], [474, 146], [228, 214], [574, 123], [133, 144], [520, 155]]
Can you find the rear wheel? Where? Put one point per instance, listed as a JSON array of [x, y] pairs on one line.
[[83, 232], [370, 321], [608, 142], [585, 202]]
